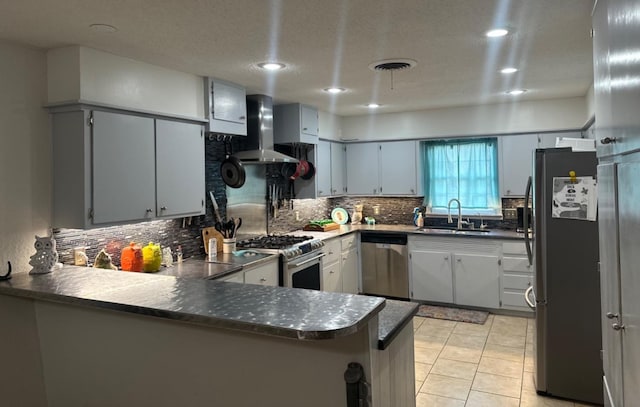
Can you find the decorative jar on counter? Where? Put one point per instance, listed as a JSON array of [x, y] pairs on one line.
[[131, 258], [152, 257]]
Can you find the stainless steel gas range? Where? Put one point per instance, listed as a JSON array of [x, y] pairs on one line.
[[300, 258]]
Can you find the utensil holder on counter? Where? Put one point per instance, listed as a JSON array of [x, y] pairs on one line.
[[229, 245]]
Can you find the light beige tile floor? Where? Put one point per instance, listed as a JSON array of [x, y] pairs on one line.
[[460, 364]]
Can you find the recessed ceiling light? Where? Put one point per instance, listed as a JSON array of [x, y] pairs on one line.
[[103, 28], [271, 66], [515, 92], [335, 90], [373, 105], [498, 32], [508, 70]]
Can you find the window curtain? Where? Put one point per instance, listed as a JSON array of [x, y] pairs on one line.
[[464, 169]]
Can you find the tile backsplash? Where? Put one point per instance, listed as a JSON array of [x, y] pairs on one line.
[[293, 215]]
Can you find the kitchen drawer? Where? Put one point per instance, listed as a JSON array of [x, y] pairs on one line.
[[331, 251], [516, 264], [514, 299], [349, 242], [516, 281], [514, 248], [266, 274]]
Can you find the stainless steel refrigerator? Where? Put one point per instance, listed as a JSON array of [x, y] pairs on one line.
[[566, 295]]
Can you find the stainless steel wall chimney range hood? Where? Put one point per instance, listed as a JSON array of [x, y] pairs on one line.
[[260, 133]]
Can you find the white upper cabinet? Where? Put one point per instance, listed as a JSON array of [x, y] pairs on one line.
[[179, 168], [330, 171], [227, 107], [387, 168], [398, 168], [295, 123], [338, 169], [112, 168], [516, 158], [323, 169], [517, 155], [363, 169], [123, 168]]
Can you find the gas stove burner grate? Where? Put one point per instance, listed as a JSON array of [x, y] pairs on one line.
[[272, 242]]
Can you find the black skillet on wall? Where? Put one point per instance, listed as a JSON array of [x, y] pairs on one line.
[[232, 170]]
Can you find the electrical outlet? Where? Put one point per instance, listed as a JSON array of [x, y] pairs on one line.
[[510, 213]]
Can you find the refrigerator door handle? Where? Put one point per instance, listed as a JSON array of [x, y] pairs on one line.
[[525, 221], [527, 298]]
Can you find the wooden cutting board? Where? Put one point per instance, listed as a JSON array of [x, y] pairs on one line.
[[209, 233], [311, 227]]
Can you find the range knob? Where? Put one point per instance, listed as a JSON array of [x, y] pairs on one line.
[[316, 244]]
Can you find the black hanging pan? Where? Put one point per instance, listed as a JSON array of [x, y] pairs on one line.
[[311, 169], [232, 170]]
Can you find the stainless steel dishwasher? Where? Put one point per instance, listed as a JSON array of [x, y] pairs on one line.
[[385, 268]]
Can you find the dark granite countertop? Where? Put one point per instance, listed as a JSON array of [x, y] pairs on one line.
[[391, 320], [224, 264], [276, 311], [410, 229]]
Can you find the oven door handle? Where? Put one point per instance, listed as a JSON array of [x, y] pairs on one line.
[[306, 261]]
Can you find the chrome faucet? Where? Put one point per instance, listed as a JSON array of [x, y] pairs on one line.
[[459, 212]]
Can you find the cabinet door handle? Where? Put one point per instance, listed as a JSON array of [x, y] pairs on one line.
[[617, 326], [304, 129], [163, 208], [412, 191], [459, 260], [263, 280], [611, 315], [446, 258], [241, 117], [331, 272], [149, 210], [374, 190], [608, 140], [320, 192]]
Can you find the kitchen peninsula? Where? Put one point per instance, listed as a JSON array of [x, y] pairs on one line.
[[99, 337]]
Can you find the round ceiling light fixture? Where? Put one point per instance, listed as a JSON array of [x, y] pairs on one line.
[[373, 105], [271, 66], [335, 90], [515, 92], [497, 32], [103, 28], [508, 70]]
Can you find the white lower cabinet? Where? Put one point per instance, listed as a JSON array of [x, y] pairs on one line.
[[349, 268], [340, 265], [477, 280], [517, 276], [455, 270], [263, 274], [432, 278], [331, 279]]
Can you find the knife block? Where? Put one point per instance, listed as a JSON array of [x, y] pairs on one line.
[[209, 233]]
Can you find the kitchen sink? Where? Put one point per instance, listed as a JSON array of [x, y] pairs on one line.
[[453, 230]]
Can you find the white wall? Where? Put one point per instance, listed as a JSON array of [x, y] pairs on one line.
[[123, 82], [523, 117], [330, 126], [25, 154]]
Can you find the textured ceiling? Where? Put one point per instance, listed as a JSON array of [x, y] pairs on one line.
[[332, 42]]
